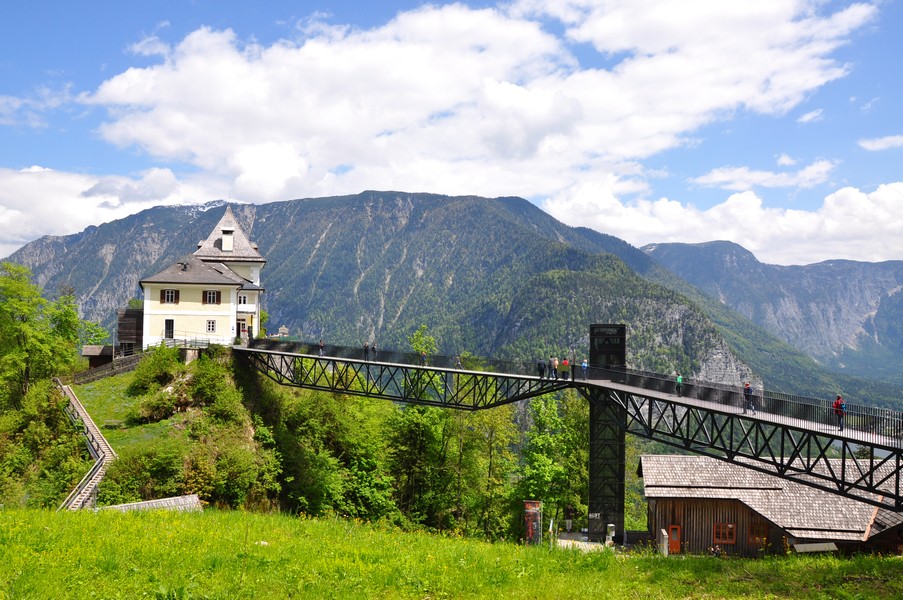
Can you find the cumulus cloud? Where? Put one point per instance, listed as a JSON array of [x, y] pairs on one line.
[[37, 201], [844, 227], [744, 178], [786, 160], [492, 101], [882, 143], [445, 89]]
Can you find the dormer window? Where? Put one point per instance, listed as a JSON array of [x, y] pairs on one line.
[[228, 239]]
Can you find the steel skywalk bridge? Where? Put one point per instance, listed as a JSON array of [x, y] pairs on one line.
[[791, 437]]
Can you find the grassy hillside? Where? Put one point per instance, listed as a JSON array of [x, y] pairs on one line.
[[322, 454], [242, 555]]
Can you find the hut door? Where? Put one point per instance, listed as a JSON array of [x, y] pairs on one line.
[[169, 327], [673, 539]]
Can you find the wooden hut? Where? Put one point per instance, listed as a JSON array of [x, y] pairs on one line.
[[697, 503]]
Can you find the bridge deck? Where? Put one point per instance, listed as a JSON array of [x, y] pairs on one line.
[[793, 437]]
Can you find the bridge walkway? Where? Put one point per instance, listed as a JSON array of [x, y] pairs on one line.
[[791, 436]]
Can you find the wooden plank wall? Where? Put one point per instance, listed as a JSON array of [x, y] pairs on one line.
[[697, 517]]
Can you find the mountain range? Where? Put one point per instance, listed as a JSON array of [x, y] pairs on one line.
[[492, 276], [845, 314]]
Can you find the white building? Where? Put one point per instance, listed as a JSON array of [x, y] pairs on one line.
[[211, 296]]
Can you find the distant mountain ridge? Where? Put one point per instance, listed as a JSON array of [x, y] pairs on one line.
[[492, 276], [848, 315]]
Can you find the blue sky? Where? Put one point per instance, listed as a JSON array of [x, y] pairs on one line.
[[775, 124]]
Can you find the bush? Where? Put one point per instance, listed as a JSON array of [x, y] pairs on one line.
[[209, 381], [161, 366], [227, 408], [145, 473], [153, 408]]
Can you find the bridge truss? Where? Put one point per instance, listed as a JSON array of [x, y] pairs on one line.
[[410, 384], [864, 467]]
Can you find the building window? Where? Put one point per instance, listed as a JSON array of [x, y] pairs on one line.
[[211, 326], [211, 297], [758, 534], [169, 296], [242, 298], [724, 533]]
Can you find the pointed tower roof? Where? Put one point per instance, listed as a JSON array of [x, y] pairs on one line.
[[228, 243]]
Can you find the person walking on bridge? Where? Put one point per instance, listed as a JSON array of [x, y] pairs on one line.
[[553, 366], [750, 400], [679, 384], [840, 409], [584, 365], [541, 367]]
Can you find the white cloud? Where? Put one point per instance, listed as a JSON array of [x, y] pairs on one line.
[[31, 111], [846, 226], [743, 178], [811, 116], [785, 160], [458, 101], [882, 143], [37, 201], [440, 91]]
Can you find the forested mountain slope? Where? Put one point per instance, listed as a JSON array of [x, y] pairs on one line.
[[495, 277]]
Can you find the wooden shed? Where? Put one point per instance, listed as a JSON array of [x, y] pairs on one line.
[[130, 330], [697, 503], [97, 356]]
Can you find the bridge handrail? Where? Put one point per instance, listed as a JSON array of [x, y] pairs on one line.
[[876, 420]]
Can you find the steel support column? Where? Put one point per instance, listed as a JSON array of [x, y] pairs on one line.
[[607, 463]]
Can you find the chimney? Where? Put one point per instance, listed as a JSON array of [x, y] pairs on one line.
[[227, 239]]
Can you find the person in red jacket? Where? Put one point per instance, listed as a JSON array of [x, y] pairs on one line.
[[840, 409]]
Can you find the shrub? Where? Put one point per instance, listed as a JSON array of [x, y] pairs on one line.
[[155, 407], [144, 473], [227, 408], [161, 366], [209, 380]]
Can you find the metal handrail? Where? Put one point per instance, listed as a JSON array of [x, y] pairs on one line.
[[98, 465], [97, 444], [882, 425]]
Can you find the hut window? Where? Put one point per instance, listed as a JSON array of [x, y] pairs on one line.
[[758, 533], [169, 296], [211, 326], [724, 533], [211, 297]]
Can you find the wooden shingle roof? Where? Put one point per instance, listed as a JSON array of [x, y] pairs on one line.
[[803, 511], [243, 250]]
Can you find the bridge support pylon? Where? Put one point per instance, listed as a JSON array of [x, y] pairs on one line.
[[607, 464]]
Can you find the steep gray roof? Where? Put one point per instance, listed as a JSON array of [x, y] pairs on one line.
[[243, 250], [803, 511], [192, 270]]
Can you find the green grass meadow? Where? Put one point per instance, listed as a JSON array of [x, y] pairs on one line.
[[108, 403], [216, 554]]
